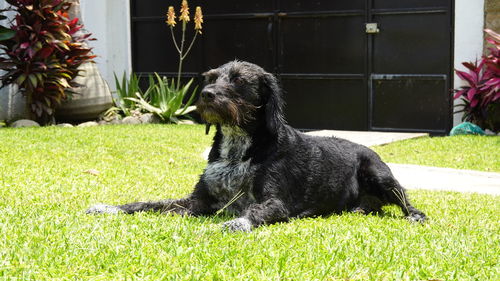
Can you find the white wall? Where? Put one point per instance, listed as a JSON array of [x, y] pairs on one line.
[[469, 24], [109, 22]]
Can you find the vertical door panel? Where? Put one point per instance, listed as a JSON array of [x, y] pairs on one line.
[[410, 103], [417, 44], [409, 4], [244, 39], [237, 7], [411, 61], [326, 103], [321, 5], [323, 45]]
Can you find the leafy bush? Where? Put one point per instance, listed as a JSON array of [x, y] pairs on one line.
[[481, 95], [43, 56]]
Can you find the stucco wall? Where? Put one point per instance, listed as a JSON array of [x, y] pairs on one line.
[[469, 24], [109, 22]]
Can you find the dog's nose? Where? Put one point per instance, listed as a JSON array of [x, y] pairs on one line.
[[207, 95]]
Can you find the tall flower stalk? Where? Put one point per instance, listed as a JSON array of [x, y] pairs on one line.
[[184, 19]]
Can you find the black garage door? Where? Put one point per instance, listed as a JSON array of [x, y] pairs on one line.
[[354, 65]]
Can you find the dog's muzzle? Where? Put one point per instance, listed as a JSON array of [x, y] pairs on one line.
[[207, 95], [208, 107], [223, 106]]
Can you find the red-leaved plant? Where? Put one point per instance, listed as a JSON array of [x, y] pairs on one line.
[[43, 56], [481, 96]]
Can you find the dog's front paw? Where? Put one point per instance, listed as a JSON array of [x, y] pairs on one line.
[[417, 217], [104, 209], [239, 224]]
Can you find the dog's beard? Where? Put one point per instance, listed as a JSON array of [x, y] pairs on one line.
[[228, 113], [209, 115]]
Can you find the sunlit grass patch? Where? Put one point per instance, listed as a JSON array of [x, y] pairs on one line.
[[45, 235], [459, 152]]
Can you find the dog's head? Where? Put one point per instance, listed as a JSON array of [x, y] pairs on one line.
[[241, 94]]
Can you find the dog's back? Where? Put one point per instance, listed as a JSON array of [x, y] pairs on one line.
[[322, 173]]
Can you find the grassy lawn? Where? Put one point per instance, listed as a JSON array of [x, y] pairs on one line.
[[45, 235], [460, 152]]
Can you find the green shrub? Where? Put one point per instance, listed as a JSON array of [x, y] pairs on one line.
[[43, 50]]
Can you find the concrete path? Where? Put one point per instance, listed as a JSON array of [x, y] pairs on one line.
[[368, 138], [423, 177], [433, 178]]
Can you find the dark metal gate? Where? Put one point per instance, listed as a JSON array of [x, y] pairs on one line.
[[338, 72]]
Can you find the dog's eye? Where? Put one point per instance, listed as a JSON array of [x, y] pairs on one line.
[[238, 81], [210, 79], [210, 76]]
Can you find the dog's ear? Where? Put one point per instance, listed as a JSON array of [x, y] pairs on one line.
[[274, 103]]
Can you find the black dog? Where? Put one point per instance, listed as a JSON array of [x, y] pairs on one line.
[[264, 171]]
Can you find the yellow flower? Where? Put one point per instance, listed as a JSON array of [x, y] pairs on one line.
[[184, 11], [171, 17], [198, 19]]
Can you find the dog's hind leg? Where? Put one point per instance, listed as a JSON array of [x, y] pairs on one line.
[[368, 204], [383, 185], [268, 212]]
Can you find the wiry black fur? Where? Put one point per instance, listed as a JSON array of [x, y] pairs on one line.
[[270, 172]]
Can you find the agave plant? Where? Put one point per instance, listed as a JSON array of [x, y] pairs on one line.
[[164, 99], [43, 55], [125, 89], [481, 95]]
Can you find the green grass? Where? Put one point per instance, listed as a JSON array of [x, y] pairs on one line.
[[45, 235], [459, 152]]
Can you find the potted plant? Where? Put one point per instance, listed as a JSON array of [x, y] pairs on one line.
[[481, 94], [93, 98], [44, 55]]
